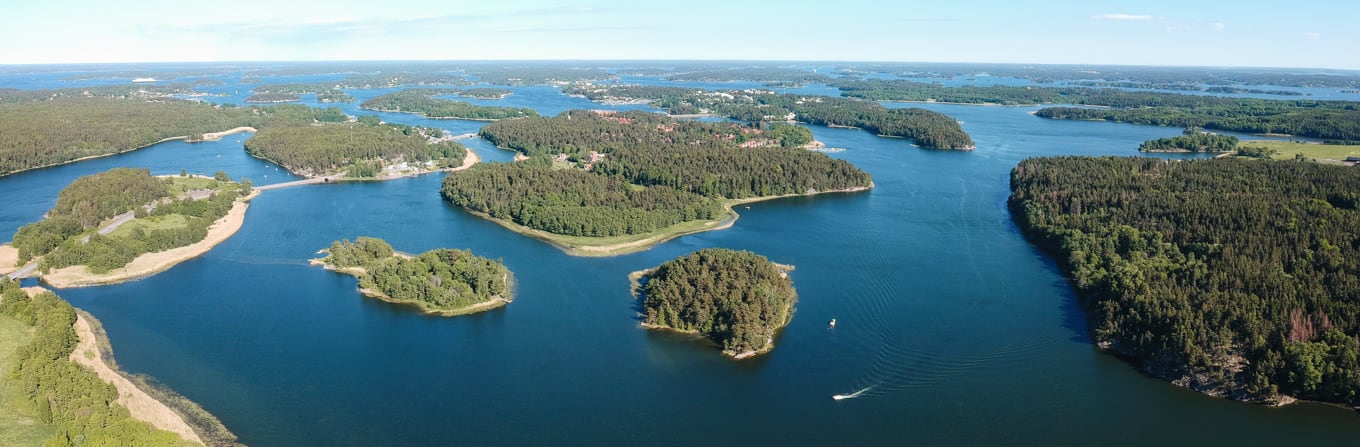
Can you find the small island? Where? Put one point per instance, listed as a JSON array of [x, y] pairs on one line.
[[444, 282], [1191, 140], [422, 101], [737, 299], [125, 224], [364, 149]]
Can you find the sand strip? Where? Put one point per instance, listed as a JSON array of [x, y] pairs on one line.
[[214, 136], [9, 256], [140, 405], [152, 263]]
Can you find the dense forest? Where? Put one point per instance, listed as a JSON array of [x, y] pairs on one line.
[[572, 202], [646, 171], [737, 299], [165, 218], [483, 92], [357, 148], [424, 103], [722, 160], [930, 129], [1336, 120], [61, 392], [1230, 276], [1191, 140], [41, 133], [440, 280]]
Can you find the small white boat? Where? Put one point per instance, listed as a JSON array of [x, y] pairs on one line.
[[832, 325]]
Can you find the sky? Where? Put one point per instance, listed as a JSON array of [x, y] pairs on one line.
[[1298, 33]]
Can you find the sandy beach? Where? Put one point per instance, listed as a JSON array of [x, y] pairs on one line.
[[214, 136], [139, 404], [9, 256], [151, 263]]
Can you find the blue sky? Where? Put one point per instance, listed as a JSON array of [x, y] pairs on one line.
[[1299, 33]]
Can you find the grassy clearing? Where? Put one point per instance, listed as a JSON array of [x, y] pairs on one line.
[[18, 422], [1319, 152], [149, 224], [180, 185]]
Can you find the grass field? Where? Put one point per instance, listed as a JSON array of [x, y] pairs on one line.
[[1286, 149], [180, 185], [149, 224], [18, 424]]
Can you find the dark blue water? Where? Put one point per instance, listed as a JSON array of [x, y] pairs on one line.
[[958, 331]]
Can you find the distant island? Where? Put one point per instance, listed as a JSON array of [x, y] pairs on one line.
[[124, 224], [931, 130], [1229, 276], [444, 282], [1333, 120], [622, 182], [324, 92], [366, 149], [483, 92], [423, 102], [737, 299], [273, 97], [61, 384]]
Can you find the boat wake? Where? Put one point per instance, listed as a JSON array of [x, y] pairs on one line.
[[852, 395]]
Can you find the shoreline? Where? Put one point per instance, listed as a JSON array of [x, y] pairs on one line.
[[980, 104], [648, 240], [218, 135], [149, 264], [93, 352]]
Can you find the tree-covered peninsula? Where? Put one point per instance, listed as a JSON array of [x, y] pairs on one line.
[[424, 103], [127, 219], [273, 97], [363, 149], [931, 130], [41, 133], [55, 383], [1234, 277], [1192, 140], [737, 299], [600, 183], [442, 281]]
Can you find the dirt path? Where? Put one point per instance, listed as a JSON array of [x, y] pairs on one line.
[[151, 263]]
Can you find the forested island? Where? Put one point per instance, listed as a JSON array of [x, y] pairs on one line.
[[446, 282], [51, 132], [273, 97], [1191, 140], [325, 92], [1234, 277], [770, 76], [1334, 120], [423, 102], [737, 299], [483, 92], [61, 388], [643, 178], [362, 149], [931, 130], [124, 223]]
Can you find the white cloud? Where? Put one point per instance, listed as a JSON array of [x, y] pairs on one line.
[[1312, 35], [1218, 26], [1122, 17]]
